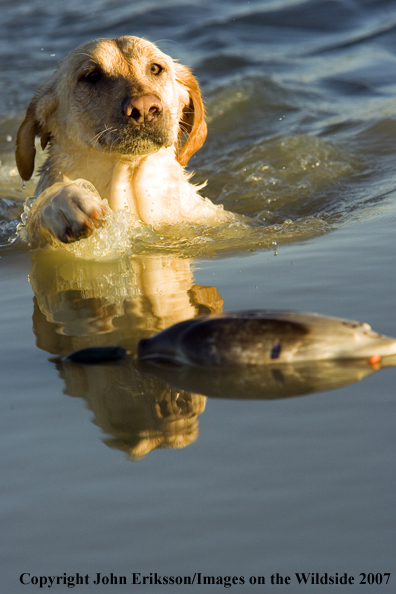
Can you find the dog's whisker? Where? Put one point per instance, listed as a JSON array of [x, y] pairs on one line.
[[101, 133]]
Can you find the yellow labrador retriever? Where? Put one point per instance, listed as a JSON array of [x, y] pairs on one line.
[[115, 113]]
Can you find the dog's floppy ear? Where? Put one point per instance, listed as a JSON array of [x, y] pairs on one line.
[[193, 115], [34, 124]]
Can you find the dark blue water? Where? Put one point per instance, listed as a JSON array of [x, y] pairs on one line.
[[109, 469]]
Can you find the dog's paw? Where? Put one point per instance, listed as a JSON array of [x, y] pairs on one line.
[[73, 213]]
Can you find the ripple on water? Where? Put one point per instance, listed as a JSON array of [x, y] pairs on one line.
[[282, 187]]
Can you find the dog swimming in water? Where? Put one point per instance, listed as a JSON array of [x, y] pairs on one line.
[[125, 117]]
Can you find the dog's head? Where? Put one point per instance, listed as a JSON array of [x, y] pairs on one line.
[[115, 95]]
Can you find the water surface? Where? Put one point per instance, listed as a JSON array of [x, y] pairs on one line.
[[112, 469]]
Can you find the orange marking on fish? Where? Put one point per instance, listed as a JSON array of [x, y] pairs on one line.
[[375, 361]]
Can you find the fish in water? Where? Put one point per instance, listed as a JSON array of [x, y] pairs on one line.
[[265, 337]]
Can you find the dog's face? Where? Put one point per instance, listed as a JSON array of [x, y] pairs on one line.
[[119, 96]]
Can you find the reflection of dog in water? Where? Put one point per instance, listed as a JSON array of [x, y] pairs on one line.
[[80, 304], [143, 406], [138, 412]]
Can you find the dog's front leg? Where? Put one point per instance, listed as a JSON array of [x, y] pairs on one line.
[[67, 212]]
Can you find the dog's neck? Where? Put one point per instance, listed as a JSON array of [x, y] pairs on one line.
[[93, 165], [113, 175], [152, 187]]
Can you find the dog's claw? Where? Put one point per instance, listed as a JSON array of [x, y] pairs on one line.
[[72, 214]]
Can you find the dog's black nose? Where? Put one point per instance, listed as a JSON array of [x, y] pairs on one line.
[[143, 109]]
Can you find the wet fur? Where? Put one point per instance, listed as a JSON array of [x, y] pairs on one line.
[[78, 113]]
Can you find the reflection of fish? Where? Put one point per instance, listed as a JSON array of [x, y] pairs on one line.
[[261, 382], [261, 337]]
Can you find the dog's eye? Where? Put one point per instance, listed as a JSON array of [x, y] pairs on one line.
[[93, 77], [156, 69]]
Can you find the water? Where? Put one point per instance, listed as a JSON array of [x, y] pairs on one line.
[[117, 469]]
